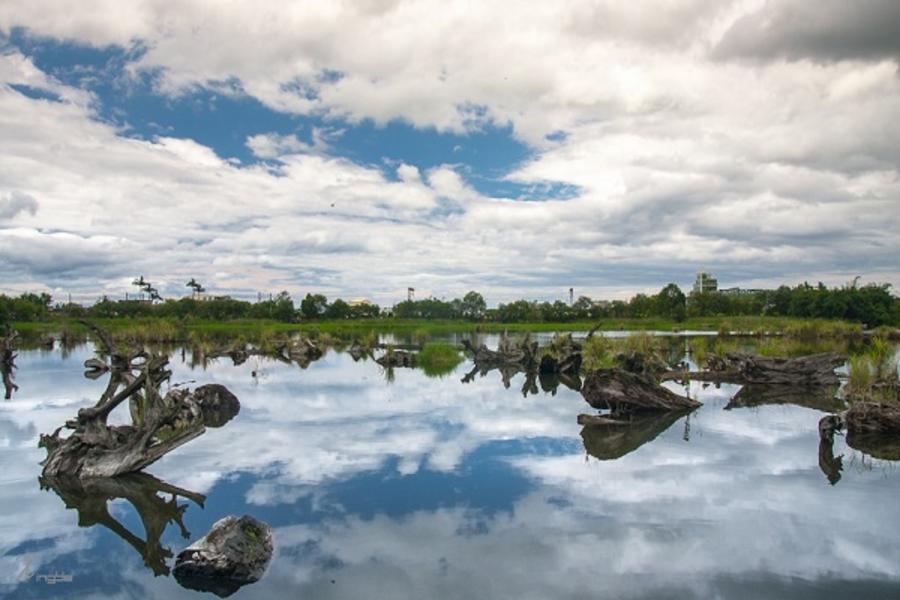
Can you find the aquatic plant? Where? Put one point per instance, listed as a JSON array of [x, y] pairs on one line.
[[597, 352], [437, 359]]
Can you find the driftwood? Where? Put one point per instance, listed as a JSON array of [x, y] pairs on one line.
[[872, 427], [816, 369], [622, 393], [608, 438], [160, 423], [8, 361], [235, 552], [91, 498]]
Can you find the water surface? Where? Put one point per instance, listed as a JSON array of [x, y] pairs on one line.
[[430, 488]]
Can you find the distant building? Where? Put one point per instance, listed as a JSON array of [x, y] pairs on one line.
[[705, 283], [361, 302], [737, 291]]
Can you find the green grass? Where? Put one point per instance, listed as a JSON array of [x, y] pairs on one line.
[[438, 359], [423, 330]]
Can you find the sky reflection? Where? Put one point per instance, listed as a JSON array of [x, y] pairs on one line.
[[433, 488]]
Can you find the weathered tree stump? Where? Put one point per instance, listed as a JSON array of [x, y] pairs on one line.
[[622, 393], [872, 427], [160, 423], [235, 552]]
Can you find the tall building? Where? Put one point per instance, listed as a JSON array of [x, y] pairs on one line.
[[705, 282]]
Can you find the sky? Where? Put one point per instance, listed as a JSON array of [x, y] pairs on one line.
[[356, 149]]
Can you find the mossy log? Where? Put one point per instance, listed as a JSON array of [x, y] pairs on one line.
[[622, 393]]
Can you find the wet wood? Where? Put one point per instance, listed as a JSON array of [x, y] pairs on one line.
[[160, 423], [622, 393], [815, 369]]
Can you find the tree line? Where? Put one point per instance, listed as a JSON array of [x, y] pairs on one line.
[[872, 304]]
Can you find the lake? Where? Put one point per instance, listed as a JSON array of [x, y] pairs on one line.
[[406, 486]]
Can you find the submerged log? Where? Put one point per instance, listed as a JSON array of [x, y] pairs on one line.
[[623, 392], [160, 423], [235, 552], [608, 438], [815, 369]]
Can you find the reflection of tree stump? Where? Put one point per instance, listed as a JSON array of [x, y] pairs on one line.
[[822, 397], [607, 438], [831, 466], [91, 499], [8, 361]]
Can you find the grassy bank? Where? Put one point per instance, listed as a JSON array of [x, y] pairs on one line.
[[170, 330]]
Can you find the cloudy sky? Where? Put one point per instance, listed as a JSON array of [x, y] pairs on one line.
[[358, 148]]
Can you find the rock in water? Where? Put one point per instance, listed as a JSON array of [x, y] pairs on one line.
[[235, 552], [217, 404]]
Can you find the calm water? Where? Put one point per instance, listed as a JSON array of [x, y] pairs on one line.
[[431, 488]]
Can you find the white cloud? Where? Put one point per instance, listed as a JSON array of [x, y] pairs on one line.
[[781, 168]]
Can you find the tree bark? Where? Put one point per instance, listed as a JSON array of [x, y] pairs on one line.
[[622, 393], [159, 423]]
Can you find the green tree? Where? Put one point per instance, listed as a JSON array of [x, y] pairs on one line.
[[313, 306], [671, 303], [473, 306]]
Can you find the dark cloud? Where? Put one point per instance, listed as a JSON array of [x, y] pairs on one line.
[[13, 203], [824, 31]]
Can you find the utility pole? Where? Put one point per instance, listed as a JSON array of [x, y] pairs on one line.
[[571, 296]]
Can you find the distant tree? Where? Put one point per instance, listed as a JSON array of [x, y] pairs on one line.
[[338, 310], [472, 306], [313, 306], [671, 303], [583, 307]]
